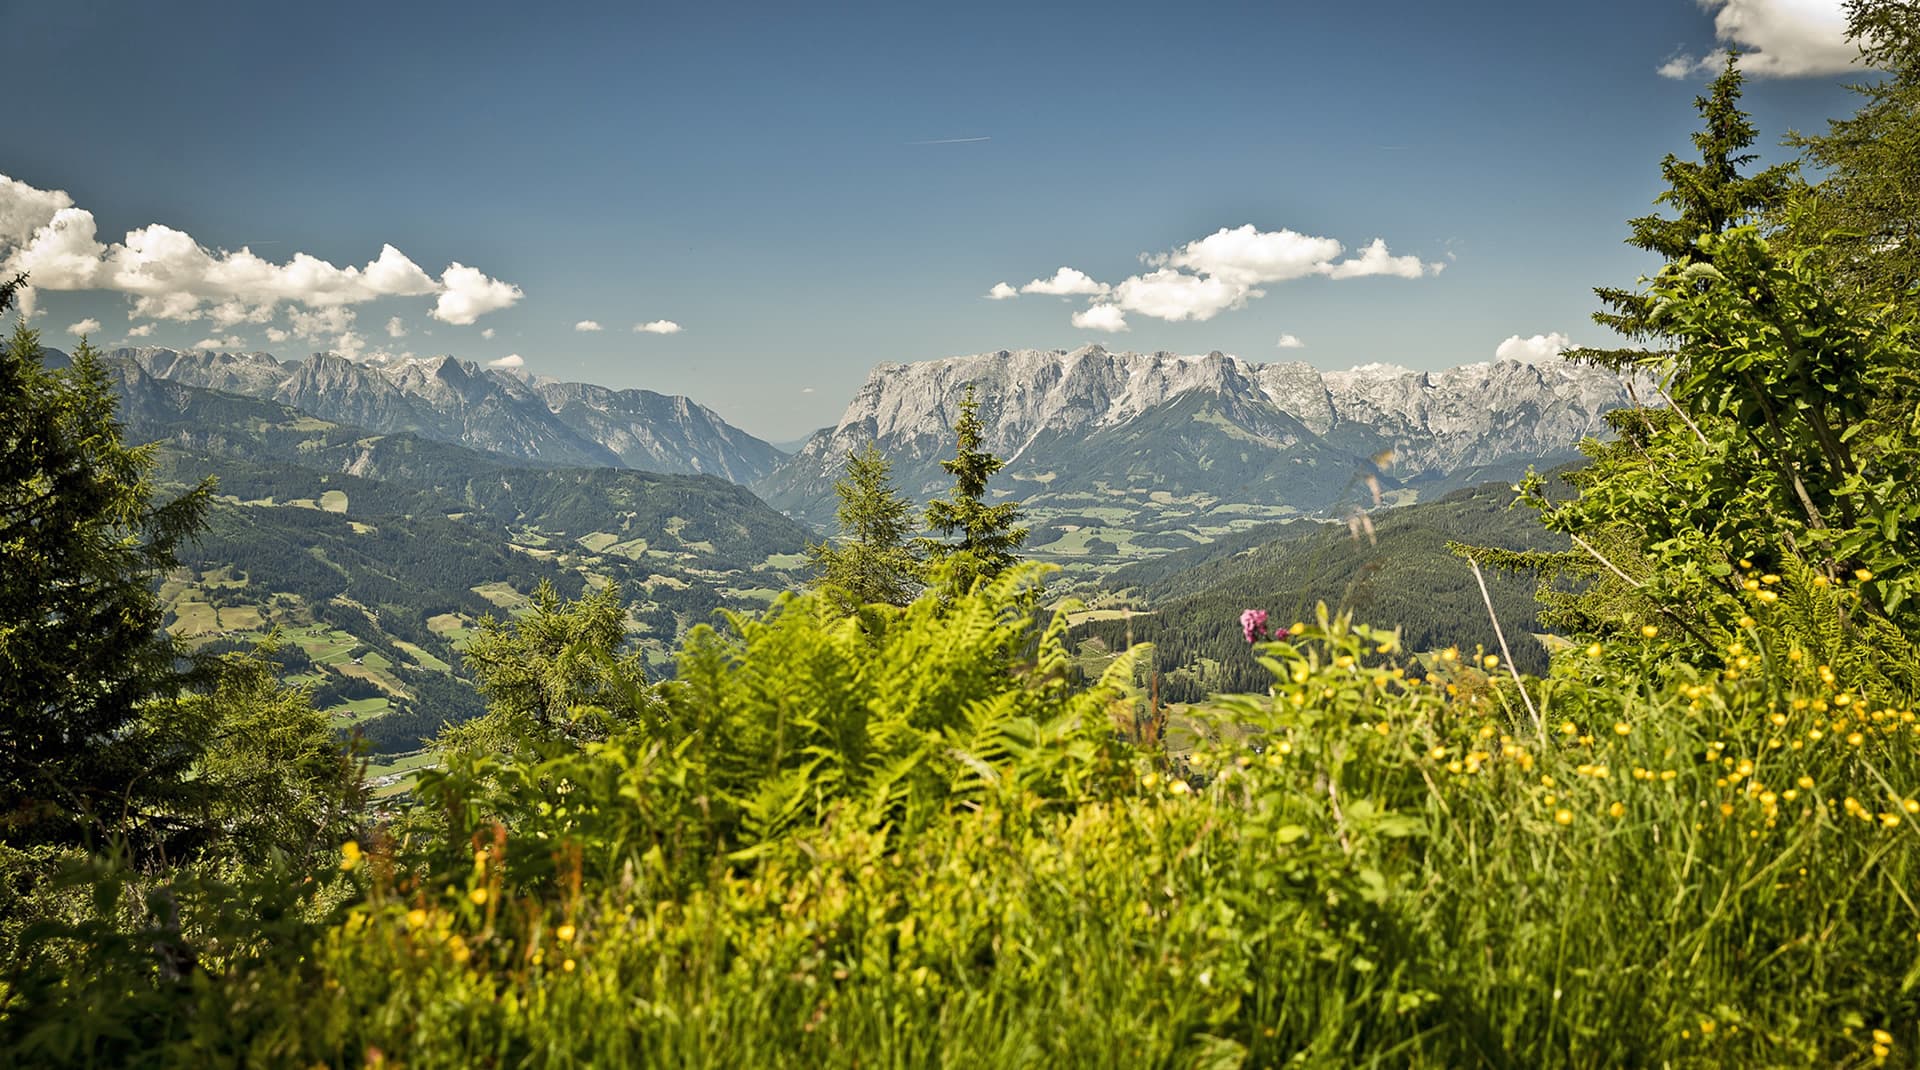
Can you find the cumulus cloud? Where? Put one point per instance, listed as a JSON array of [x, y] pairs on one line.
[[1066, 282], [350, 345], [487, 334], [1222, 271], [1540, 347], [467, 294], [1002, 292], [231, 343], [586, 325], [1175, 295], [1777, 38], [396, 328], [1247, 257], [1376, 260], [509, 362], [806, 390], [84, 327], [657, 327], [144, 330], [169, 275], [1101, 318], [321, 322], [1290, 341], [274, 334]]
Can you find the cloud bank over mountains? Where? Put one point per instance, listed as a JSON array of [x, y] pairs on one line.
[[1214, 274], [169, 275]]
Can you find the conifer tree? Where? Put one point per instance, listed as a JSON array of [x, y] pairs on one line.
[[87, 746], [1709, 196], [988, 534], [875, 562]]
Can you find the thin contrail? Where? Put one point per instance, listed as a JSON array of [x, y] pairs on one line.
[[950, 141]]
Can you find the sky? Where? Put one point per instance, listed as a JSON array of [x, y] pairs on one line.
[[755, 204]]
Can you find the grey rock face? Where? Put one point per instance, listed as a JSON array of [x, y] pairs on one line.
[[1062, 418], [458, 401]]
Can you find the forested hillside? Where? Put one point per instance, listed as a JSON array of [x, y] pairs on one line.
[[1188, 605]]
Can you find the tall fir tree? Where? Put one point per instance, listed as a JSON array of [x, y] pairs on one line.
[[875, 561], [989, 535], [92, 744], [1709, 196]]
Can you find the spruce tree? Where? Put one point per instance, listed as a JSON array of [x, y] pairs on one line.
[[1709, 195], [988, 534], [92, 741], [874, 562]]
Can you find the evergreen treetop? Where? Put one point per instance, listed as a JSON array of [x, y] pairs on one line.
[[875, 562], [989, 535]]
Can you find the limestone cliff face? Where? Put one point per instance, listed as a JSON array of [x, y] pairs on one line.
[[458, 401], [1090, 421]]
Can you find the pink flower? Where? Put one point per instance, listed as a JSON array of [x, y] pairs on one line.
[[1254, 623]]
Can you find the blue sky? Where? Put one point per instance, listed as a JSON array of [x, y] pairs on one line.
[[789, 185]]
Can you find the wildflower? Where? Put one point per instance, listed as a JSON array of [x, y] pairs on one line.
[[568, 965], [564, 933], [1450, 654], [1863, 575], [479, 896], [1622, 728], [1593, 651], [1253, 623], [349, 855], [1179, 787], [1618, 809], [1649, 630], [1564, 817], [416, 918], [1805, 782], [1855, 739], [1767, 596], [1881, 1036]]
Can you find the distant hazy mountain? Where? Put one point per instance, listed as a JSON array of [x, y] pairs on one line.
[[1193, 437], [458, 401]]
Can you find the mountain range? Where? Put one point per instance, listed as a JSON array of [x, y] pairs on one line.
[[449, 400], [1143, 451]]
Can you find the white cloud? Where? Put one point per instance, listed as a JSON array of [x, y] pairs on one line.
[[586, 325], [469, 294], [1002, 292], [806, 390], [84, 327], [1540, 347], [1290, 341], [1777, 38], [1247, 257], [509, 362], [1175, 295], [1375, 260], [1101, 318], [396, 328], [350, 345], [274, 334], [324, 321], [487, 334], [231, 343], [657, 327], [170, 275], [1066, 282], [144, 330]]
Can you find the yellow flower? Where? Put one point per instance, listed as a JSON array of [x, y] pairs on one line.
[[1769, 578], [1593, 651], [1767, 596], [1618, 809], [1881, 1036], [568, 965], [564, 934], [1622, 728], [1491, 661], [1861, 574], [416, 918], [478, 895], [349, 855], [1746, 622], [1649, 630], [1564, 817], [1450, 654], [1855, 738]]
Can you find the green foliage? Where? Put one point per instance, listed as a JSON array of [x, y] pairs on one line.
[[874, 562], [86, 751], [555, 674], [1866, 207], [988, 535]]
